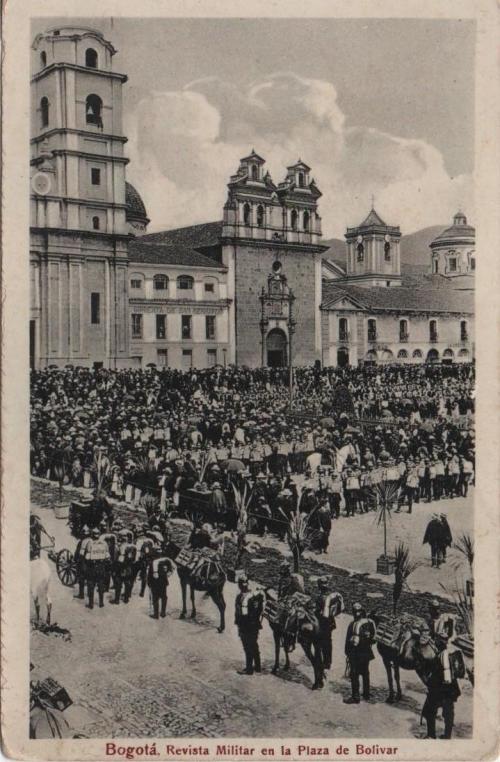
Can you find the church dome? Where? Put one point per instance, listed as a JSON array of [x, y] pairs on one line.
[[459, 231], [135, 213]]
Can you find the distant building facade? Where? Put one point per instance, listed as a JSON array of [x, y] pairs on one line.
[[254, 288]]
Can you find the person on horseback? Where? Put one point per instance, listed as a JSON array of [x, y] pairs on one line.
[[36, 531], [358, 650], [249, 608], [289, 583]]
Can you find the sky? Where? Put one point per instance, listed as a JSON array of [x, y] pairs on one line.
[[381, 107]]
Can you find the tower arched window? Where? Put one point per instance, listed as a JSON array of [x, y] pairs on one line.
[[387, 252], [361, 252], [260, 216], [372, 330], [306, 220], [44, 111], [255, 172], [246, 214], [301, 179], [91, 58], [160, 283], [433, 334], [293, 219], [96, 223], [185, 282], [93, 110], [343, 329], [43, 59]]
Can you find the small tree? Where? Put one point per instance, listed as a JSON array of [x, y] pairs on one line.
[[387, 493], [149, 503], [299, 533], [242, 499], [145, 474], [102, 472], [403, 567]]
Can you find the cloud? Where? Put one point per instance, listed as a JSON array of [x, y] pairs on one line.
[[184, 145]]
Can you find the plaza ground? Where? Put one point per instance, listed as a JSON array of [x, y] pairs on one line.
[[130, 675]]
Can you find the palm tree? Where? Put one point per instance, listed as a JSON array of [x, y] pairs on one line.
[[242, 501], [149, 503], [145, 474], [403, 567], [387, 493], [103, 473], [299, 533], [465, 545]]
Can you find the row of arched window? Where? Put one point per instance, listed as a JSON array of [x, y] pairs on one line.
[[160, 283], [91, 58], [260, 217], [93, 110], [361, 252], [403, 330]]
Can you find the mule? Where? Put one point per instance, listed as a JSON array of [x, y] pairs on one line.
[[213, 586]]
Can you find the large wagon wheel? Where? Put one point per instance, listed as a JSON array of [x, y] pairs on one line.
[[66, 567]]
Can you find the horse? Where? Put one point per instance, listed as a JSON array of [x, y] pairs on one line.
[[416, 651], [213, 585], [40, 576], [304, 626]]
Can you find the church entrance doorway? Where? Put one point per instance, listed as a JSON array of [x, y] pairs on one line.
[[276, 348], [342, 357]]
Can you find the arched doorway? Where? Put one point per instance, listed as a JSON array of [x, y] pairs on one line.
[[342, 357], [433, 356], [276, 344], [448, 356], [386, 356], [371, 357]]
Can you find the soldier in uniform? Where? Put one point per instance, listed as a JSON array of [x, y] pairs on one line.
[[358, 650], [80, 561], [326, 621], [159, 569], [123, 567], [289, 583], [442, 690], [247, 618], [97, 564]]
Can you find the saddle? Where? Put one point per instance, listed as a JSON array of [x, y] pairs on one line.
[[203, 565]]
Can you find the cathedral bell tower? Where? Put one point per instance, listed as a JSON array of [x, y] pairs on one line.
[[79, 231], [373, 255]]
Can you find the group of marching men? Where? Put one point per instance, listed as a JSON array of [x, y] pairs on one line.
[[121, 556]]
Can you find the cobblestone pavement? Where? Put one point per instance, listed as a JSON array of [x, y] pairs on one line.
[[130, 675]]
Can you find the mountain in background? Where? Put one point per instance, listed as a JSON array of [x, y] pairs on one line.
[[415, 252]]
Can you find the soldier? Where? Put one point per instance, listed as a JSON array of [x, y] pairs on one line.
[[144, 545], [325, 525], [289, 583], [158, 571], [326, 620], [123, 567], [80, 562], [358, 650], [442, 689], [247, 618], [434, 537], [97, 563]]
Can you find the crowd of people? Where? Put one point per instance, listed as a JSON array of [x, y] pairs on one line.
[[346, 432]]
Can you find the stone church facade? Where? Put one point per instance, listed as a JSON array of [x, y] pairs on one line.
[[255, 287]]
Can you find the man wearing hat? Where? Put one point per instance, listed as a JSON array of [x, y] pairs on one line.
[[159, 569], [80, 560], [358, 650], [326, 620], [97, 565], [247, 618], [442, 688]]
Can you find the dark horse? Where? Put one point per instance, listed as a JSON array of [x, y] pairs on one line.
[[415, 651], [305, 627], [213, 585]]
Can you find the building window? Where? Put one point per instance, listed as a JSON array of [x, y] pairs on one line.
[[361, 252], [95, 308], [417, 354], [343, 329], [186, 326], [210, 327], [209, 288], [260, 216], [403, 330], [301, 179], [472, 263], [246, 214], [93, 110], [137, 326], [211, 358], [463, 330], [136, 283], [372, 330], [435, 264], [44, 111], [433, 334], [43, 59], [161, 326], [185, 282], [162, 357], [293, 219], [255, 172], [160, 283], [91, 58], [452, 265], [306, 220], [96, 223], [95, 176], [387, 252], [187, 358]]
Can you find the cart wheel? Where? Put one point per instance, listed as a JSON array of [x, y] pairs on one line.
[[66, 567]]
